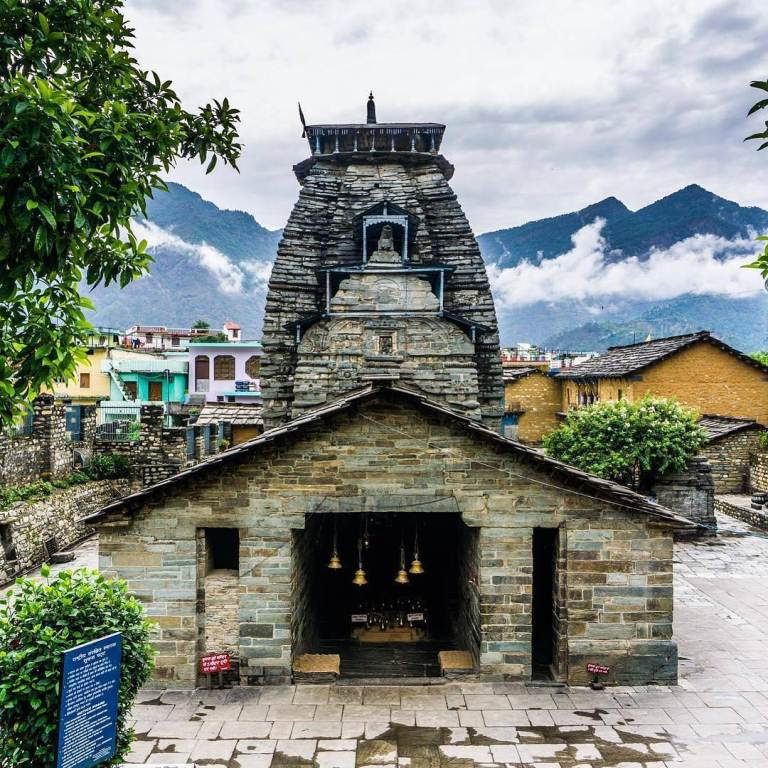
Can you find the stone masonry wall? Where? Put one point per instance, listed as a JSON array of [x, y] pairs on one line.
[[536, 398], [57, 516], [740, 508], [758, 472], [45, 452], [729, 459], [618, 564], [158, 453], [690, 493]]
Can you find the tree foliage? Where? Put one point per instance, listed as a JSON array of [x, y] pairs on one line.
[[84, 136], [761, 262], [631, 443], [761, 357], [38, 622]]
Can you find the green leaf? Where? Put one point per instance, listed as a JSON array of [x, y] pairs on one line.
[[49, 217]]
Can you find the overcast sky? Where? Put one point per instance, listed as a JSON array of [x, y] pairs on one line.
[[550, 106]]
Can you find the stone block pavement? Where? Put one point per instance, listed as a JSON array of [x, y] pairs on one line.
[[717, 717]]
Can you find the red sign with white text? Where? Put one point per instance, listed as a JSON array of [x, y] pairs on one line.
[[597, 669], [215, 662]]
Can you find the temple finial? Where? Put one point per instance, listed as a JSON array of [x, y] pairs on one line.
[[371, 108]]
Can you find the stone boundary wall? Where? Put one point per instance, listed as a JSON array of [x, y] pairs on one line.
[[739, 507], [46, 452], [729, 457], [26, 525], [159, 452], [758, 472]]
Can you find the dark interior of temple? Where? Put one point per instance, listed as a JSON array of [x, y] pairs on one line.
[[396, 622]]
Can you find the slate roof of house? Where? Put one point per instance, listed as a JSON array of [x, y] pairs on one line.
[[234, 413], [580, 482], [620, 362], [719, 426]]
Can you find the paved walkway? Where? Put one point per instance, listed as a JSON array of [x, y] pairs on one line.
[[716, 717]]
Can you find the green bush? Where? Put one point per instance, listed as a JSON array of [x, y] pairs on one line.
[[38, 622], [30, 492], [77, 478], [762, 439], [108, 466], [631, 443]]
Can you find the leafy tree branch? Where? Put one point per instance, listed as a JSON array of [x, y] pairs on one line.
[[85, 135]]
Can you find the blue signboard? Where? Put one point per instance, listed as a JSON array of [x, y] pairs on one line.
[[88, 709]]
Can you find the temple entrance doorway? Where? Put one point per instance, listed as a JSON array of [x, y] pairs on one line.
[[386, 592]]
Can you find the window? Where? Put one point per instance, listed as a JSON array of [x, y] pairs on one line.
[[230, 398], [149, 338], [235, 332], [386, 346], [222, 548], [131, 389], [85, 381], [252, 366], [223, 367], [174, 341], [202, 369]]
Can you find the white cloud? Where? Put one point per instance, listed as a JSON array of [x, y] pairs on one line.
[[549, 106], [703, 264], [230, 277]]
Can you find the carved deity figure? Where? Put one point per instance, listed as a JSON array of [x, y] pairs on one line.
[[385, 252]]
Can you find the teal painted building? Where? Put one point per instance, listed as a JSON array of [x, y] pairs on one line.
[[147, 378]]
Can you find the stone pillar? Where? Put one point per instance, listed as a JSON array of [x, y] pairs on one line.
[[506, 567], [49, 429], [690, 493]]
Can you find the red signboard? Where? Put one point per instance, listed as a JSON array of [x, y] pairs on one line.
[[597, 669], [212, 663]]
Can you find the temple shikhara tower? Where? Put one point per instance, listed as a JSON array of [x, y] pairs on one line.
[[378, 278]]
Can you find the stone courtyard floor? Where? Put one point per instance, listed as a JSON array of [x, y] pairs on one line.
[[717, 716]]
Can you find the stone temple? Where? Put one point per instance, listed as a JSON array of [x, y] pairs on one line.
[[378, 278], [382, 526]]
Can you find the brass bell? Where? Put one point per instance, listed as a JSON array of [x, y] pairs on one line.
[[402, 574], [335, 562], [416, 566], [359, 580]]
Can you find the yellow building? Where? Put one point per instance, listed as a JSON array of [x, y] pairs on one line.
[[695, 369], [531, 402], [89, 383]]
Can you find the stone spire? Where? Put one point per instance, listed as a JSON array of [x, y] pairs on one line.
[[378, 277]]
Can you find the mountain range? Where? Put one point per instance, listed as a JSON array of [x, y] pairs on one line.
[[214, 264]]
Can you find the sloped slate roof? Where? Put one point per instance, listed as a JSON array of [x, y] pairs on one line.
[[620, 362], [234, 413], [719, 426], [513, 374], [579, 482]]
